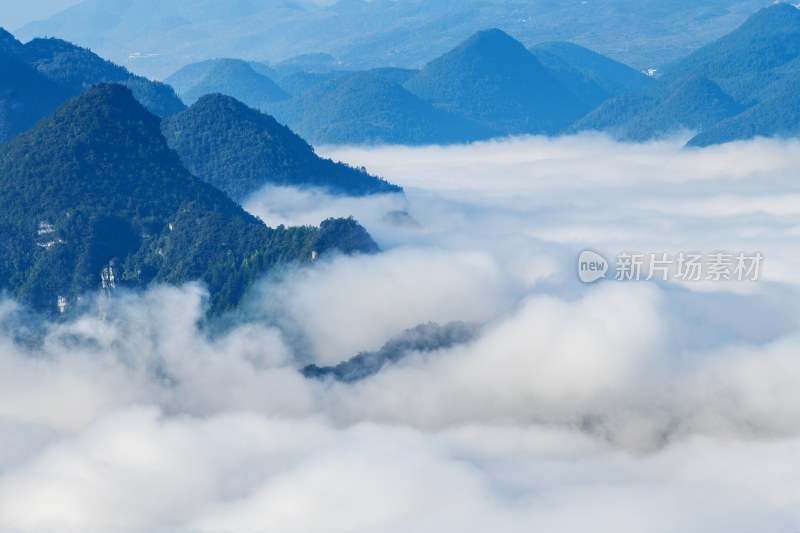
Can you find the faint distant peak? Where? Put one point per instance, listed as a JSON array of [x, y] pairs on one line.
[[492, 39]]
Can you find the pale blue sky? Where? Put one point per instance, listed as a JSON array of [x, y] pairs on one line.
[[17, 13]]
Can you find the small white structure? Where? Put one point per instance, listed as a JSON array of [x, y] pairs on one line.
[[62, 303], [45, 228], [314, 255], [108, 281]]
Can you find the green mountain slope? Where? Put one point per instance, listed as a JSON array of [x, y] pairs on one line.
[[78, 68], [95, 186], [239, 150], [37, 77], [25, 96]]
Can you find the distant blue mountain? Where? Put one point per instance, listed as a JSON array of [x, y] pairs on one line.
[[297, 83], [492, 79], [687, 104], [157, 37], [317, 63], [371, 108], [193, 73], [748, 60], [590, 76], [488, 86], [740, 86], [777, 115], [248, 82]]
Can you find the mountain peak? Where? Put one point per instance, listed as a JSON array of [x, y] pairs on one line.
[[239, 150], [9, 44], [741, 61], [492, 79], [219, 100], [42, 47], [113, 94], [103, 111], [779, 14], [233, 77], [487, 52], [491, 35], [75, 68], [114, 141], [492, 43]]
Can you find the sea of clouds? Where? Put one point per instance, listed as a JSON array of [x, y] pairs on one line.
[[620, 406]]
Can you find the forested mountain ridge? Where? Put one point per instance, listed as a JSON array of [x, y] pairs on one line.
[[239, 150], [38, 76], [94, 188]]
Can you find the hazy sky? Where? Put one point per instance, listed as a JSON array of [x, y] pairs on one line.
[[14, 14]]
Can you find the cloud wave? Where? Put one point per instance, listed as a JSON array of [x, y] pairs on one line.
[[650, 406]]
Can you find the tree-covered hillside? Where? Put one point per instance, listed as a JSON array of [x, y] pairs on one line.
[[25, 95], [38, 76], [95, 186], [239, 150], [78, 68]]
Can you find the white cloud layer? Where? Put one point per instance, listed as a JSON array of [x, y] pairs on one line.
[[615, 407]]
